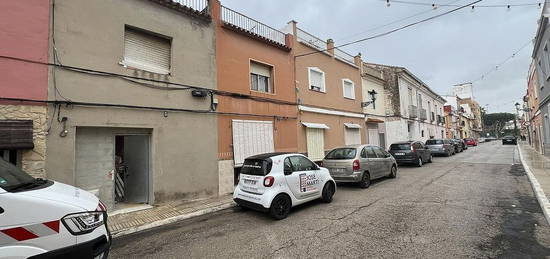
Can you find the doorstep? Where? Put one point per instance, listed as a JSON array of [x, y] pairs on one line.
[[121, 224]]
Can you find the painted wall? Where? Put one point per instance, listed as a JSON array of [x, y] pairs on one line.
[[183, 144], [368, 84], [234, 52], [334, 137], [24, 34]]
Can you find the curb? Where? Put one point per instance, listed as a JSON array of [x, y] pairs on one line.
[[174, 219], [539, 192]]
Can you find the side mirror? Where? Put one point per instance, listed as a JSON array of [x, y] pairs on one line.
[[287, 171]]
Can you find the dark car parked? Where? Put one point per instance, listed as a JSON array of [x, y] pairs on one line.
[[410, 152], [440, 147], [509, 140], [458, 145]]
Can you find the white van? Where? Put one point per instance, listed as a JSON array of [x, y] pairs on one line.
[[46, 219]]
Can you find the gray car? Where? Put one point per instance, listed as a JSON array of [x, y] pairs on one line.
[[440, 147], [360, 164]]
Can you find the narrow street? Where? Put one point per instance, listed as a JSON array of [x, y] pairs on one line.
[[478, 203]]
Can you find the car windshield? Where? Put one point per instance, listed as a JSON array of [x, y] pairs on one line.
[[342, 153], [256, 167], [400, 146], [434, 142], [12, 177]]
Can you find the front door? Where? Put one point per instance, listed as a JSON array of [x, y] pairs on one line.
[[374, 162], [136, 156], [303, 181]]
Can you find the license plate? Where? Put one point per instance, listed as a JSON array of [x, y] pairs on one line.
[[337, 170], [399, 154], [248, 181]]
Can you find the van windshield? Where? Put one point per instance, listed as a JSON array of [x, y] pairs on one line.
[[256, 167], [342, 153], [12, 177], [434, 142]]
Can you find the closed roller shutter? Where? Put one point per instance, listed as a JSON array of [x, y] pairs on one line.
[[374, 137], [352, 136], [251, 138], [146, 51], [315, 143]]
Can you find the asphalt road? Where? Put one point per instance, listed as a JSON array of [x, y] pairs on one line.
[[478, 203]]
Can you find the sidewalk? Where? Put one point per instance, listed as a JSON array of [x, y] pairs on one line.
[[165, 213], [538, 170]]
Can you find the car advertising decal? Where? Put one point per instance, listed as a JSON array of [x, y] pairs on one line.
[[308, 182]]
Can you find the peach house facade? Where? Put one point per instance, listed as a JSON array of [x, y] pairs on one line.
[[329, 95], [257, 63]]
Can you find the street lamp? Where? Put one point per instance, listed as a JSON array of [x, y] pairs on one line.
[[516, 120], [372, 94]]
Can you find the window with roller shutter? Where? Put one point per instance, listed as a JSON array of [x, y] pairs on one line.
[[261, 77], [316, 79], [349, 88], [146, 51]]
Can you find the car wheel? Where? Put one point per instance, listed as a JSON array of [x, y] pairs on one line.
[[393, 172], [365, 182], [328, 192], [280, 207], [430, 160], [419, 163]]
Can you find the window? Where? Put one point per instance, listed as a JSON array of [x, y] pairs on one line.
[[301, 164], [341, 154], [379, 152], [316, 79], [256, 167], [11, 156], [349, 89], [547, 63], [422, 133], [146, 51], [260, 77], [370, 152]]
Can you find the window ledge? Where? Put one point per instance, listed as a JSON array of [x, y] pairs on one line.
[[261, 92], [318, 91], [349, 98]]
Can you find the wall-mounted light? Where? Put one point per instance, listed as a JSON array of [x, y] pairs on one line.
[[372, 101]]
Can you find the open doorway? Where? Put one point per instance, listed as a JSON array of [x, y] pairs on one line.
[[132, 171]]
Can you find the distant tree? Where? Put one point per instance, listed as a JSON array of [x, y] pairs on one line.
[[495, 122]]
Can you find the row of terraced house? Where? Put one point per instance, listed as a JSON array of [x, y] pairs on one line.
[[145, 101]]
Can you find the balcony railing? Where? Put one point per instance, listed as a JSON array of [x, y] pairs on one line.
[[197, 5], [344, 56], [423, 115], [413, 111], [310, 40], [253, 27]]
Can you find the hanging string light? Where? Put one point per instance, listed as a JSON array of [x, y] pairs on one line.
[[435, 5]]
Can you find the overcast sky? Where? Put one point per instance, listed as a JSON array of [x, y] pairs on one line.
[[452, 49]]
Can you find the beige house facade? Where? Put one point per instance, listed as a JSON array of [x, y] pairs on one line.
[[138, 135]]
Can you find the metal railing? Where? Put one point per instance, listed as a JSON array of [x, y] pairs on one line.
[[344, 56], [198, 5], [413, 111], [310, 40], [252, 26]]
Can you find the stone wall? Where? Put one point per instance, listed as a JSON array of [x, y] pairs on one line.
[[32, 161]]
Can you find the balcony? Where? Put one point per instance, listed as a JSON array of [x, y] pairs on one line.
[[413, 112], [241, 23], [423, 115]]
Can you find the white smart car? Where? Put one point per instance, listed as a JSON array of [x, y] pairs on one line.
[[276, 182]]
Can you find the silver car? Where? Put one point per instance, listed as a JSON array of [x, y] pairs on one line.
[[360, 164]]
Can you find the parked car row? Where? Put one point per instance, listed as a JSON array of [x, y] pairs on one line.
[[276, 182]]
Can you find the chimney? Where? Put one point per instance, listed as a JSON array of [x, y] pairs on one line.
[[357, 60], [330, 47]]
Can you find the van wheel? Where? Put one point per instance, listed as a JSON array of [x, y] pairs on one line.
[[393, 172], [328, 192], [365, 182], [419, 163], [280, 207], [430, 160]]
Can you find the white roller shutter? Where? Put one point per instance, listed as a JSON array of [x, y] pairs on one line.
[[260, 69], [251, 138], [146, 51], [374, 137], [315, 143], [352, 136]]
